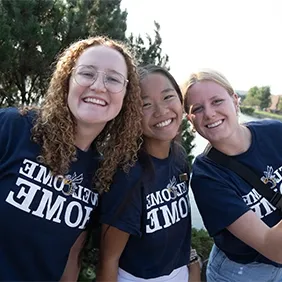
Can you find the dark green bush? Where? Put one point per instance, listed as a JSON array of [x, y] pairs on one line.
[[202, 242], [247, 110]]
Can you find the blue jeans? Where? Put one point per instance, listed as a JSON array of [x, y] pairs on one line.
[[222, 269]]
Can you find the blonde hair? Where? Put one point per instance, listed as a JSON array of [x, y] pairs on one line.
[[205, 75], [55, 126]]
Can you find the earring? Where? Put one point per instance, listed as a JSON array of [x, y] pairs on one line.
[[193, 129]]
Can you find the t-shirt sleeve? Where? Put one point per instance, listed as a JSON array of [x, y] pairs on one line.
[[217, 199], [9, 122], [121, 207]]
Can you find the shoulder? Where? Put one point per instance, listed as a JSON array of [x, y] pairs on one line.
[[124, 181], [214, 189], [265, 125], [133, 173], [203, 166], [206, 174], [121, 206], [267, 130], [13, 117], [8, 114]]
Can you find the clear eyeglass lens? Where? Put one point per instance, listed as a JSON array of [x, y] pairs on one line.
[[87, 75]]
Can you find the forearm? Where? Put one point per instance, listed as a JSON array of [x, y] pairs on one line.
[[194, 266], [194, 272], [273, 239], [107, 271]]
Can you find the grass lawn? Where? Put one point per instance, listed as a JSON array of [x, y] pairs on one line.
[[262, 114]]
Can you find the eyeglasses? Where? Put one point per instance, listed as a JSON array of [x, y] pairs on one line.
[[87, 75]]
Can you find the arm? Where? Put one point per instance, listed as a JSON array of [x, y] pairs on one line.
[[72, 268], [238, 219], [194, 266], [255, 233], [113, 242], [194, 272]]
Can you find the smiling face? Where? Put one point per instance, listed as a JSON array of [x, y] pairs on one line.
[[95, 104], [162, 109], [213, 111]]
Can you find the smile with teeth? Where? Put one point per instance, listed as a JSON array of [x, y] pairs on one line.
[[215, 124], [95, 101], [164, 123]]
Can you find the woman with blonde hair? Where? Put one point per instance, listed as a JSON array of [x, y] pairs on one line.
[[244, 223], [54, 159]]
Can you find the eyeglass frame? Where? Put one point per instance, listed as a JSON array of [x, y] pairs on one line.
[[99, 71]]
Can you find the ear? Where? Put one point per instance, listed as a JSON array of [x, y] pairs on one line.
[[236, 99]]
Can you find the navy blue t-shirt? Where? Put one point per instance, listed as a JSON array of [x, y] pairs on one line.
[[222, 196], [39, 221], [156, 212]]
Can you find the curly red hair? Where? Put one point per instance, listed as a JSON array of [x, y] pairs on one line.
[[55, 127]]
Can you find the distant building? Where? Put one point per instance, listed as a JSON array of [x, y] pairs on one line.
[[275, 99]]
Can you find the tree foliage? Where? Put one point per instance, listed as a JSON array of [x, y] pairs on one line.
[[258, 97], [187, 138], [149, 51], [252, 97], [264, 97], [202, 242], [33, 32]]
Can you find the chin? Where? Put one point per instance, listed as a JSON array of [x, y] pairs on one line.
[[166, 138], [218, 138]]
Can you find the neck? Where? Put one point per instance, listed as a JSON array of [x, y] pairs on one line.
[[86, 135], [239, 142], [156, 148]]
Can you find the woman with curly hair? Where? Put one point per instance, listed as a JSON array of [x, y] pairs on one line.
[[146, 231], [50, 158]]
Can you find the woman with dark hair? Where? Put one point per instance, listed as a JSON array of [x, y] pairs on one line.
[[146, 231], [50, 158]]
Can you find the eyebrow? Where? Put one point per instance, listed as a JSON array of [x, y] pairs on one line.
[[199, 104], [169, 89], [213, 97]]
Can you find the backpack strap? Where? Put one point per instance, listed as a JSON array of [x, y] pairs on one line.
[[275, 198]]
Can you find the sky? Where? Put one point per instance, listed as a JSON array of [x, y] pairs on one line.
[[240, 38]]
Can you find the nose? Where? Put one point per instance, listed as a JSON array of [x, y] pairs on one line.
[[209, 112], [98, 85], [160, 110]]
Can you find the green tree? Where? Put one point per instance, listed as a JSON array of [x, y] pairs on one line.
[[187, 139], [149, 51], [32, 32], [108, 19], [253, 97], [264, 97], [22, 45], [258, 96], [202, 242]]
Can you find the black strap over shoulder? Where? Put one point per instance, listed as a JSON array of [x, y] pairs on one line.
[[275, 198]]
